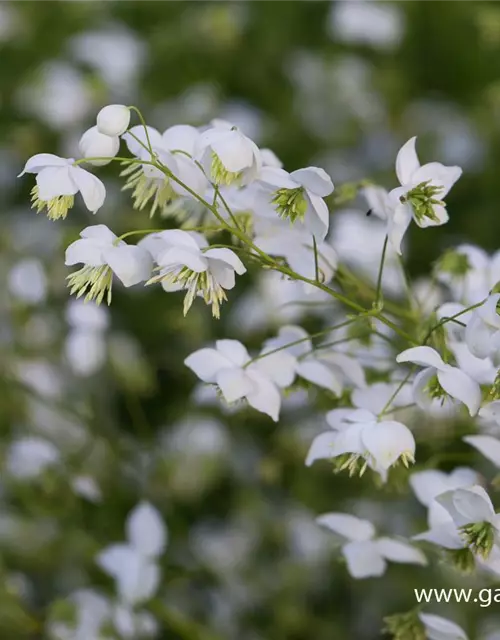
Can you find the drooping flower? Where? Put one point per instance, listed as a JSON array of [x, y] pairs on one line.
[[113, 120], [420, 196], [472, 512], [174, 149], [367, 556], [482, 333], [298, 196], [230, 367], [57, 182], [188, 263], [360, 440], [439, 380], [94, 144], [103, 254], [134, 564], [228, 156]]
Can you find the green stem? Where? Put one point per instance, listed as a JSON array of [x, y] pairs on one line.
[[396, 391], [378, 292], [143, 122]]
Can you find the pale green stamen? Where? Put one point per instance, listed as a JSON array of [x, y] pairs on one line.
[[462, 559], [354, 463], [435, 390], [422, 199], [57, 208], [94, 282], [290, 204], [145, 189], [455, 263], [219, 173], [480, 537]]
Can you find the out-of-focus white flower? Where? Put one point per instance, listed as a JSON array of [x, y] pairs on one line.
[[362, 440], [85, 351], [228, 156], [487, 445], [86, 315], [482, 333], [92, 612], [188, 263], [482, 370], [133, 565], [94, 144], [229, 366], [28, 457], [298, 196], [132, 624], [438, 628], [439, 379], [113, 120], [57, 182], [86, 487], [27, 281], [420, 195], [370, 23], [367, 556], [103, 254], [491, 412]]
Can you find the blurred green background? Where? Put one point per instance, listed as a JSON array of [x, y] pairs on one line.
[[324, 83]]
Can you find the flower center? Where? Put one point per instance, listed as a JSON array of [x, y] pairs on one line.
[[454, 263], [422, 199], [219, 173], [355, 463], [56, 207], [405, 626], [145, 190], [480, 537], [95, 282], [290, 204], [435, 390]]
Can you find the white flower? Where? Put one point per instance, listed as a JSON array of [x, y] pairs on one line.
[[188, 263], [228, 367], [472, 512], [487, 445], [174, 149], [28, 457], [113, 120], [439, 379], [228, 156], [27, 281], [85, 351], [94, 144], [134, 565], [482, 370], [421, 193], [482, 333], [102, 255], [363, 440], [367, 556], [322, 368], [92, 612], [132, 624], [298, 196], [438, 628], [491, 412], [57, 182]]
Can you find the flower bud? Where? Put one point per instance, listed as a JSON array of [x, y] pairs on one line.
[[113, 120], [97, 145]]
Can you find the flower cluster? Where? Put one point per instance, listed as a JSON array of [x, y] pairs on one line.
[[387, 358]]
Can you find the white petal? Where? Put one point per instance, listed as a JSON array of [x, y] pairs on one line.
[[491, 411], [135, 147], [338, 418], [467, 505], [227, 256], [131, 264], [146, 531], [234, 384], [439, 175], [459, 386], [189, 173], [438, 628], [85, 251], [317, 216], [322, 447], [440, 214], [427, 485], [420, 388], [234, 351], [183, 256], [279, 367], [478, 336], [315, 180], [319, 374], [276, 177], [348, 526], [55, 181], [487, 445], [94, 144], [181, 136], [92, 189], [364, 560], [41, 160], [445, 535], [112, 558], [398, 221], [100, 233], [266, 398], [377, 199], [350, 368], [113, 120], [234, 150], [397, 551], [423, 356], [387, 441], [206, 363], [407, 162]]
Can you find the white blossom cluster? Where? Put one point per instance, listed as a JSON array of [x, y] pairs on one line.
[[392, 354]]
